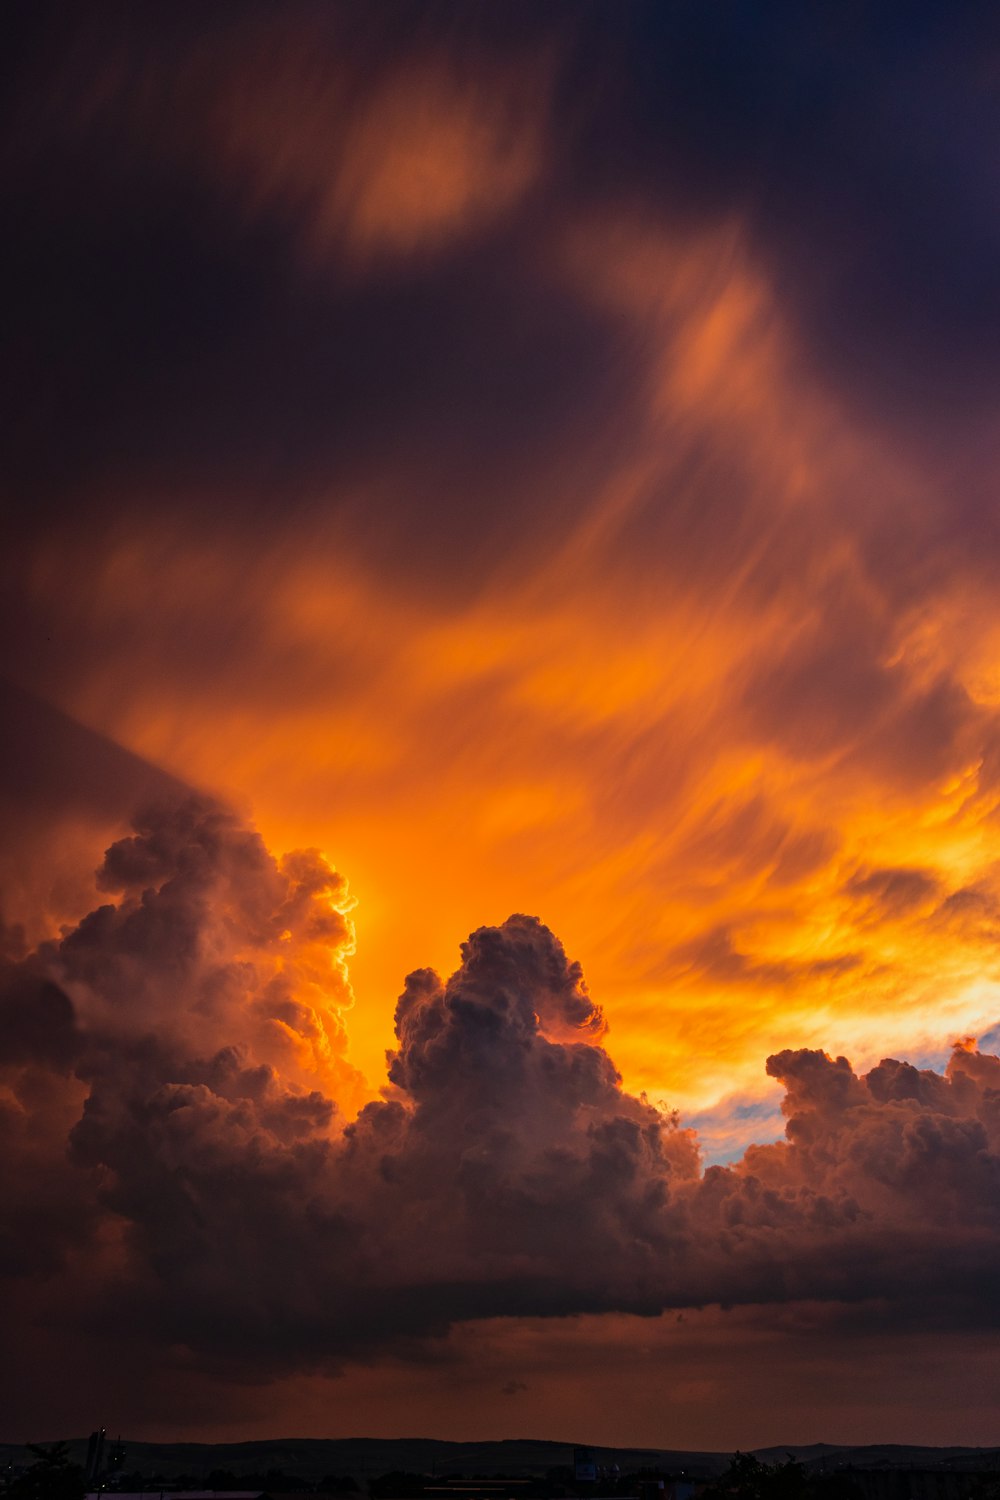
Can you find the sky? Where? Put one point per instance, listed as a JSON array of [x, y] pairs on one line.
[[499, 649]]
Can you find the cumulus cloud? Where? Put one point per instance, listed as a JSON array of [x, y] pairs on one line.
[[46, 1201], [610, 386], [172, 1069], [212, 941]]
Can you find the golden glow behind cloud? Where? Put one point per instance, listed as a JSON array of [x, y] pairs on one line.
[[742, 858], [540, 460]]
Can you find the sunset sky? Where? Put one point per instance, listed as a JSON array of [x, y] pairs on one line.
[[536, 461]]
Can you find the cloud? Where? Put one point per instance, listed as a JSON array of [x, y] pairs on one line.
[[172, 1070], [892, 892], [435, 149], [715, 954], [544, 455], [362, 148], [49, 1207], [213, 942]]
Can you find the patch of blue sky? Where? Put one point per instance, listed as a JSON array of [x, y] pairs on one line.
[[726, 1129], [729, 1127], [934, 1058], [990, 1040]]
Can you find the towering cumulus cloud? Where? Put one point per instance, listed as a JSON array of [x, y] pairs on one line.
[[181, 1139]]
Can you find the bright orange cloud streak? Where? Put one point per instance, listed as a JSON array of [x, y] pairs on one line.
[[747, 789]]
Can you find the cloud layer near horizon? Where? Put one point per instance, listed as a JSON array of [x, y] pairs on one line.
[[183, 1157]]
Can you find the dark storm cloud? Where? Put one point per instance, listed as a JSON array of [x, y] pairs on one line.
[[165, 326], [50, 763], [47, 1204], [234, 318], [220, 333], [173, 337], [63, 791], [37, 1023], [856, 143], [172, 1124]]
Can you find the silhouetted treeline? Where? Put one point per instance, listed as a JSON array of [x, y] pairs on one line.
[[50, 1476], [749, 1478]]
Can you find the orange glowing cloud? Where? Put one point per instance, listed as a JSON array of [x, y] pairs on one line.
[[691, 703], [544, 747], [174, 1143], [534, 465]]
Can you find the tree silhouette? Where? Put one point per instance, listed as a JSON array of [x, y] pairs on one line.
[[52, 1476], [749, 1478]]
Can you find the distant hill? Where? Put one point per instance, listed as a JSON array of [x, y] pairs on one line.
[[365, 1458]]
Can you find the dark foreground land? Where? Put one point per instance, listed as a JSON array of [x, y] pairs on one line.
[[363, 1460]]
